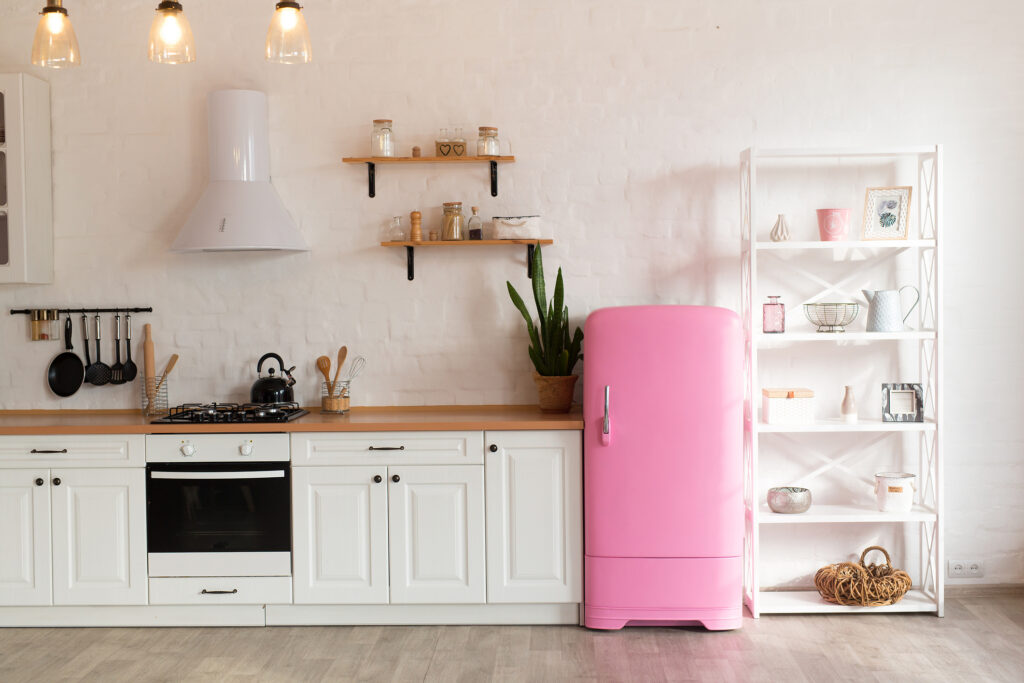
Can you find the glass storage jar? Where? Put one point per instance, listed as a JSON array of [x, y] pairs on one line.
[[453, 222], [382, 140], [774, 316], [487, 142]]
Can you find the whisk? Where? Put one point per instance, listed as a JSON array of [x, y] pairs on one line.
[[355, 367]]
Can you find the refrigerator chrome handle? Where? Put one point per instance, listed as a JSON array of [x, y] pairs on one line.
[[606, 429]]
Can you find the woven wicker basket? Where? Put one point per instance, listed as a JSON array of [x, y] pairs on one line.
[[866, 585]]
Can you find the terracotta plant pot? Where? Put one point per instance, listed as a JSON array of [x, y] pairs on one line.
[[554, 394]]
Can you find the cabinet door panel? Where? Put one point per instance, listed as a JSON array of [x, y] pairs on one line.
[[99, 537], [24, 537], [534, 516], [436, 529], [340, 517]]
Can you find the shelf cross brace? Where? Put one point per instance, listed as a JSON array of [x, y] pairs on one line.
[[409, 260], [530, 248], [371, 172], [494, 178]]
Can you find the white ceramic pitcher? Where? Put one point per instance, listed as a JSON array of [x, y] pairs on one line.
[[884, 309]]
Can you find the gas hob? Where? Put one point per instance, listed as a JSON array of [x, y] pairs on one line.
[[232, 413]]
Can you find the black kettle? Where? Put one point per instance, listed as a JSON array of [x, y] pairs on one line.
[[271, 389]]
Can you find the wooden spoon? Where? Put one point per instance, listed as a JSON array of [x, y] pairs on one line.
[[342, 353], [167, 370], [323, 364]]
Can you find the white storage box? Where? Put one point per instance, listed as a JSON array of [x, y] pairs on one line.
[[516, 227], [787, 406]]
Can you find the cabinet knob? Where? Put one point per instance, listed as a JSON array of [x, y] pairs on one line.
[[56, 481], [378, 479], [396, 479], [40, 481], [494, 448]]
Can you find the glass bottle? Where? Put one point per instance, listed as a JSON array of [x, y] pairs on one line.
[[487, 142], [442, 145], [458, 144], [774, 317], [453, 222], [382, 140], [475, 224], [395, 231]]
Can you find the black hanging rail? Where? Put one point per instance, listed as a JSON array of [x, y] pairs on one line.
[[62, 311]]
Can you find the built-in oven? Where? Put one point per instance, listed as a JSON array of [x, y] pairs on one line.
[[229, 517]]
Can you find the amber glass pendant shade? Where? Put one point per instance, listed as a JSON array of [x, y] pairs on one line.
[[55, 45], [170, 36], [288, 35]]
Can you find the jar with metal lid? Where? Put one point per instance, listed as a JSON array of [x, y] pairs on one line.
[[382, 140], [487, 142], [453, 222], [45, 324]]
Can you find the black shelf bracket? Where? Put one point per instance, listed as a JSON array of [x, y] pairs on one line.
[[494, 178], [409, 261], [530, 248], [371, 172]]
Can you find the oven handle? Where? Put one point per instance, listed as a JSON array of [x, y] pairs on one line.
[[252, 474]]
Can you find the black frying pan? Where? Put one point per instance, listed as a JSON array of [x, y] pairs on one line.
[[66, 370]]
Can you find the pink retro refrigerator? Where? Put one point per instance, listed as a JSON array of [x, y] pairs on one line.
[[663, 484]]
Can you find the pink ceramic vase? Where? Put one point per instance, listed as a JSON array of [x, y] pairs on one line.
[[833, 224]]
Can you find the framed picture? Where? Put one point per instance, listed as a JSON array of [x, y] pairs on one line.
[[886, 213], [902, 403]]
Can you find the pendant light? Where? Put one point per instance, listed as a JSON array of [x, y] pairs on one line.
[[55, 44], [170, 36], [288, 35]]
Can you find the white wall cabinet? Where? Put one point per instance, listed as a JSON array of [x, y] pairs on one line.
[[534, 516], [26, 204], [437, 534], [340, 538], [73, 536], [25, 537]]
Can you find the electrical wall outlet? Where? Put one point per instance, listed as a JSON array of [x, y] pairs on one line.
[[965, 569]]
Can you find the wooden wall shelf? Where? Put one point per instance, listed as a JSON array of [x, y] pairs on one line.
[[410, 247], [371, 166]]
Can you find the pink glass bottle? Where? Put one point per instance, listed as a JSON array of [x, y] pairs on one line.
[[774, 318]]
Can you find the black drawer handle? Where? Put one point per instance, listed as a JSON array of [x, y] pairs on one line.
[[387, 448], [230, 592], [47, 450]]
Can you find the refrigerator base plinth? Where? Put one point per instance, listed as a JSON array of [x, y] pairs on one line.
[[618, 618]]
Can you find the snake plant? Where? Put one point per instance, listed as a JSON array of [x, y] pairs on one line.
[[552, 350]]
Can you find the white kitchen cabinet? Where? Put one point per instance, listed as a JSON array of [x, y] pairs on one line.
[[340, 535], [26, 204], [436, 534], [99, 536], [25, 537], [534, 516]]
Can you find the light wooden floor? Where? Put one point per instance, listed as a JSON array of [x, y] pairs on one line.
[[981, 639]]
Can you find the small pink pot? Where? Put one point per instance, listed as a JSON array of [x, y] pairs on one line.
[[833, 224]]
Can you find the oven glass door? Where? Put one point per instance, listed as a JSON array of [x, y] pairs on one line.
[[220, 508]]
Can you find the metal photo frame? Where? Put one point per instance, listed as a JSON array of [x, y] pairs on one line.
[[902, 402]]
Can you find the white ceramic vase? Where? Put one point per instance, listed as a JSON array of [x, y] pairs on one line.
[[848, 409], [780, 233]]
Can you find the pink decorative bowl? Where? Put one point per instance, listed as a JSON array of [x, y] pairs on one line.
[[833, 224]]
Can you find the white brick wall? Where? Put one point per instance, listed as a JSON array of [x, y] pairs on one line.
[[627, 119]]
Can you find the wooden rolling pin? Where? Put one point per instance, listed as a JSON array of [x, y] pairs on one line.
[[149, 365]]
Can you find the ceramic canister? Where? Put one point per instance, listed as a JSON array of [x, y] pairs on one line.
[[894, 491], [833, 224]]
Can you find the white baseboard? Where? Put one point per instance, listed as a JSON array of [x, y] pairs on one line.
[[134, 615], [378, 615]]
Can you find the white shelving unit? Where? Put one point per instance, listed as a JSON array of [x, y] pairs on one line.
[[923, 346]]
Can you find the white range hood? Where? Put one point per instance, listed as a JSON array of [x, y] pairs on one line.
[[240, 210]]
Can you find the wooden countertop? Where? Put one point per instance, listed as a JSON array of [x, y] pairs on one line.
[[359, 419]]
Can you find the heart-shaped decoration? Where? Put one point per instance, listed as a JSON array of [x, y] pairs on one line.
[[459, 148], [444, 149]]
